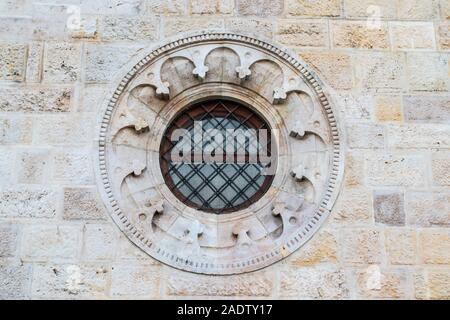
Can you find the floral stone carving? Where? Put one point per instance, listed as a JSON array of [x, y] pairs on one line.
[[221, 65]]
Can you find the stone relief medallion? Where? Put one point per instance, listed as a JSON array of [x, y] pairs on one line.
[[230, 212]]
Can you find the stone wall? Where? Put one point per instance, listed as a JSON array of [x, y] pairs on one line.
[[389, 233]]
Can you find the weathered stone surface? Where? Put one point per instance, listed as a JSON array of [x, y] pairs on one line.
[[82, 204], [303, 34], [73, 166], [322, 249], [92, 97], [349, 34], [428, 71], [426, 208], [443, 32], [62, 62], [14, 280], [418, 135], [427, 108], [354, 168], [166, 8], [418, 9], [261, 27], [30, 202], [43, 242], [16, 28], [365, 136], [354, 206], [118, 7], [445, 9], [313, 283], [432, 284], [388, 108], [103, 61], [313, 8], [127, 250], [64, 129], [33, 166], [377, 283], [380, 71], [129, 28], [251, 285], [334, 67], [388, 207], [395, 170], [211, 6], [173, 26], [12, 62], [7, 166], [135, 280], [35, 100], [34, 62], [356, 107], [99, 242], [401, 246], [9, 234], [373, 9], [434, 246], [88, 28], [9, 133], [361, 246], [440, 166], [70, 281], [262, 8], [412, 35]]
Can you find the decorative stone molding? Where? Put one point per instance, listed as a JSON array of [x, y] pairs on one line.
[[240, 68]]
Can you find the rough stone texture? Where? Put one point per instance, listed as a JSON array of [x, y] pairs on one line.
[[354, 206], [82, 204], [432, 284], [264, 27], [262, 8], [427, 109], [322, 249], [444, 36], [128, 280], [388, 108], [365, 136], [434, 246], [359, 35], [67, 129], [401, 246], [415, 35], [386, 9], [99, 242], [62, 62], [313, 283], [12, 62], [35, 100], [380, 283], [308, 8], [166, 8], [126, 28], [9, 235], [388, 207], [185, 284], [428, 71], [29, 202], [303, 34], [8, 134], [361, 246], [418, 135], [73, 166], [417, 9], [427, 208], [33, 166], [14, 280], [175, 26], [211, 6], [440, 166]]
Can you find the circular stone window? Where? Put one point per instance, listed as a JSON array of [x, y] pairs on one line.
[[218, 153], [215, 156]]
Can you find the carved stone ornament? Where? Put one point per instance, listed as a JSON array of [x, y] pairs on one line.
[[161, 83]]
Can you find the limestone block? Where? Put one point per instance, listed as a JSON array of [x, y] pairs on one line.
[[14, 280], [34, 62], [302, 33], [28, 202], [435, 109], [418, 9], [9, 234], [440, 166], [211, 6], [313, 8], [7, 166], [99, 242], [428, 209], [118, 7], [382, 283], [166, 8], [418, 135], [445, 9], [261, 8], [73, 129], [33, 165], [434, 246], [15, 129], [388, 108], [355, 34], [173, 26], [365, 136], [432, 284], [427, 71], [354, 206], [313, 283], [73, 166], [334, 67], [70, 281], [13, 62], [261, 27], [82, 204], [412, 35], [16, 28], [388, 206], [62, 62], [35, 100], [126, 250], [129, 28], [41, 242], [443, 34], [356, 107], [383, 9], [135, 280], [354, 168], [395, 170], [361, 246], [258, 284], [401, 246]]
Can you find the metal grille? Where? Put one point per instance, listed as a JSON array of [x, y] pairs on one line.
[[216, 186]]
